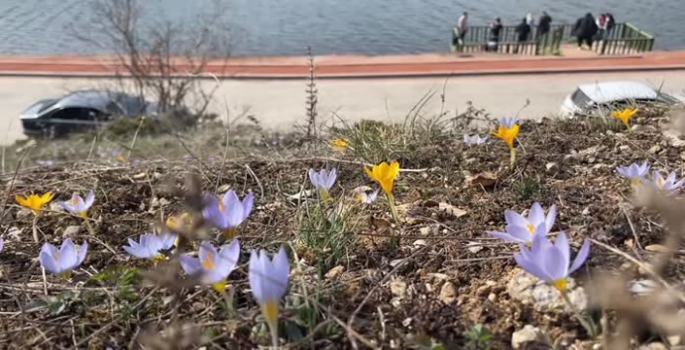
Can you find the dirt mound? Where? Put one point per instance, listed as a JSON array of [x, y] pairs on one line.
[[357, 278]]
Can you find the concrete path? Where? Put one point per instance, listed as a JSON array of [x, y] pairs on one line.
[[280, 103], [351, 66]]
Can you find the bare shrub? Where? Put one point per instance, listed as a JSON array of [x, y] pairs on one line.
[[159, 58]]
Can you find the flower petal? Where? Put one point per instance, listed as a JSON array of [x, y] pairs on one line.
[[505, 237], [68, 256], [531, 267], [332, 176], [90, 199], [68, 207], [583, 254], [281, 272], [515, 219], [190, 264], [83, 250], [554, 264], [233, 209], [248, 203], [314, 178], [523, 234], [230, 255], [212, 212], [256, 275], [562, 245], [366, 168], [536, 216], [49, 249], [137, 251], [168, 240], [208, 256], [49, 263], [551, 218]]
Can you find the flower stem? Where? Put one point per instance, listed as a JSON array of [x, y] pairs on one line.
[[228, 298], [512, 158], [34, 227], [325, 196], [274, 335], [90, 228], [589, 328], [393, 208]]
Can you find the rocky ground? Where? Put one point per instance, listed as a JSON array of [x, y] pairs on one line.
[[435, 280]]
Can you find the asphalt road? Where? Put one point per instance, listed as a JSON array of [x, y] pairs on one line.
[[279, 104]]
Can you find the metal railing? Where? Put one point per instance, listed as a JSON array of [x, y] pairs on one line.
[[624, 38]]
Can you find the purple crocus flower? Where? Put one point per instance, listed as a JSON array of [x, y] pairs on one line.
[[521, 229], [474, 140], [552, 262], [635, 172], [508, 121], [212, 265], [269, 282], [669, 185], [65, 259], [150, 246], [229, 212], [323, 180], [77, 205], [2, 244]]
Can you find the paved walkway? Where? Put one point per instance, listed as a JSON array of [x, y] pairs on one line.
[[350, 66], [280, 103]]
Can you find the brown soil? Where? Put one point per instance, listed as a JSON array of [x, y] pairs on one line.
[[567, 163]]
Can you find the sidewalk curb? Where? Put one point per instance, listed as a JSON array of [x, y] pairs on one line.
[[409, 74]]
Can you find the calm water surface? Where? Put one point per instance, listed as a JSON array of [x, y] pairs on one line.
[[287, 27]]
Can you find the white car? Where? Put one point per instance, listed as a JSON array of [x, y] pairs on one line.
[[610, 95]]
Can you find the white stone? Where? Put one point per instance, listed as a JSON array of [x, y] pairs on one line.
[[15, 233], [526, 335], [474, 247], [398, 288], [24, 213], [654, 150], [675, 340], [531, 290], [448, 293], [71, 231], [335, 272]]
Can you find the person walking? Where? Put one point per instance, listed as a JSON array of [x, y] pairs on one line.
[[544, 24], [522, 33], [495, 31], [462, 27], [611, 23], [530, 19], [585, 30], [601, 26]]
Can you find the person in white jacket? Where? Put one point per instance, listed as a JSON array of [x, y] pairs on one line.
[[462, 27]]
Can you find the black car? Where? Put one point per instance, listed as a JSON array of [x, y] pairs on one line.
[[81, 110]]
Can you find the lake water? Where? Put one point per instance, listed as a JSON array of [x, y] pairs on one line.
[[287, 27]]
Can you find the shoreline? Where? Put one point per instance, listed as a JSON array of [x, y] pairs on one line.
[[353, 66]]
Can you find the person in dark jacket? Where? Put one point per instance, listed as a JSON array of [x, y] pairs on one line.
[[585, 30], [611, 23], [522, 33], [544, 24], [495, 31]]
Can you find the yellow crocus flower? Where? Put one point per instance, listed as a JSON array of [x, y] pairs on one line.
[[385, 174], [341, 144], [508, 134], [625, 115], [34, 201]]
